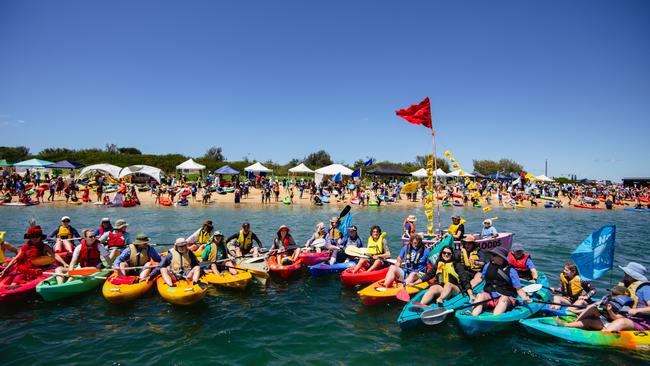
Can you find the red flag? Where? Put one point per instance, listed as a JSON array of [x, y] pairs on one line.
[[418, 114]]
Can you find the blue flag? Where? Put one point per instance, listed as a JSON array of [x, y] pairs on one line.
[[368, 163], [337, 178], [356, 173], [345, 224], [595, 256]]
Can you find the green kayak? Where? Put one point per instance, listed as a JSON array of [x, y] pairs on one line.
[[51, 291]]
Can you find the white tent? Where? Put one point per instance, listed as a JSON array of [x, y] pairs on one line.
[[110, 169], [302, 168], [151, 171], [456, 173], [422, 173], [257, 168], [543, 178], [190, 165], [334, 169]]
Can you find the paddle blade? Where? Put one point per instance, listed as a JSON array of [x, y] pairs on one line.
[[83, 271], [435, 316], [355, 252], [42, 261], [345, 211], [403, 295], [532, 288]]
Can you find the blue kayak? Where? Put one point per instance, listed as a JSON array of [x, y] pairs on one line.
[[490, 323], [324, 269], [325, 199], [637, 209], [410, 317]]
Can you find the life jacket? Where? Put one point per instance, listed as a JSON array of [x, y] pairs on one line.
[[89, 256], [411, 261], [498, 280], [203, 237], [180, 262], [633, 289], [571, 288], [472, 255], [335, 233], [520, 265], [31, 251], [136, 258], [214, 252], [376, 247], [285, 242], [409, 227], [116, 239], [64, 232], [453, 229], [101, 230], [445, 270], [247, 241]]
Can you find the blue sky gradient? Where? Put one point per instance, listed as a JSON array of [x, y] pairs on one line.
[[567, 81]]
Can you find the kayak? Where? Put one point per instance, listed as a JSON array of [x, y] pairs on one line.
[[227, 279], [410, 317], [284, 271], [489, 323], [312, 258], [51, 291], [324, 269], [373, 203], [503, 239], [362, 277], [626, 339], [446, 204], [19, 204], [637, 209], [184, 293], [589, 207], [16, 287], [552, 199], [165, 201], [257, 267], [376, 293], [286, 200], [121, 289]]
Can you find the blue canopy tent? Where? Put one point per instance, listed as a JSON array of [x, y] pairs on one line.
[[65, 164], [227, 170], [33, 163]]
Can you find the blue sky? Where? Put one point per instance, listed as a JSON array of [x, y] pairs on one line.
[[567, 81]]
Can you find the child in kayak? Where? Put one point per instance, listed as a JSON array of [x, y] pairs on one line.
[[378, 251], [572, 290], [411, 263], [472, 258]]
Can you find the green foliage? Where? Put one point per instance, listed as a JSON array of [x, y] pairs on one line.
[[14, 154], [129, 150], [504, 166], [214, 153], [421, 162], [318, 159]]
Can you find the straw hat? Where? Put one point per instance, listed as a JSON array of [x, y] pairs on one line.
[[120, 224], [412, 218], [283, 227], [180, 242]]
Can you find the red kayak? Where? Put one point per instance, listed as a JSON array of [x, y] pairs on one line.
[[14, 287], [284, 271], [311, 259], [362, 277], [589, 207]]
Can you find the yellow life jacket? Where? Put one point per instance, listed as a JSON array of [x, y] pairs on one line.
[[443, 272], [453, 229], [2, 246], [635, 286], [335, 233], [203, 237], [245, 242], [212, 255], [136, 260], [64, 232], [180, 262], [472, 255], [571, 288], [376, 247]]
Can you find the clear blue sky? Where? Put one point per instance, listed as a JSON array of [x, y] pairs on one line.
[[527, 80]]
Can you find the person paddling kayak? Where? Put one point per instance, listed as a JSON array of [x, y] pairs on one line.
[[215, 251], [283, 244], [520, 261], [502, 284], [338, 250], [117, 239], [377, 251], [488, 230], [472, 258], [33, 248], [138, 254], [4, 246], [241, 244], [201, 237], [86, 255], [573, 290], [411, 263], [180, 263]]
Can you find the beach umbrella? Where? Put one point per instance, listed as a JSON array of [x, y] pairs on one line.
[[33, 163]]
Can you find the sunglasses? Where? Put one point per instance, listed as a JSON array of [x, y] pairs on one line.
[[92, 237], [446, 253]]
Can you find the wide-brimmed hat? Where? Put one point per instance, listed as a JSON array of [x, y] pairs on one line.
[[635, 270], [500, 251], [106, 219], [411, 218], [120, 224], [282, 227], [180, 242], [141, 239], [34, 231], [320, 225], [516, 247], [217, 233], [468, 239]]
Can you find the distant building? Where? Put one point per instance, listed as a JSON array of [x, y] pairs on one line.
[[636, 182]]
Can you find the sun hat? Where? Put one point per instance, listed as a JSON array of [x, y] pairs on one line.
[[353, 227], [120, 224], [65, 218], [141, 239], [208, 223], [516, 247], [635, 270], [34, 231], [106, 219], [411, 218], [282, 227], [499, 251], [469, 238], [320, 225], [487, 221], [217, 233], [180, 242]]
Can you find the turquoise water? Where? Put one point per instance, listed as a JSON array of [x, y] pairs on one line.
[[308, 321]]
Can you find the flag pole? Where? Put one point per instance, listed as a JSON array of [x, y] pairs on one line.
[[435, 172]]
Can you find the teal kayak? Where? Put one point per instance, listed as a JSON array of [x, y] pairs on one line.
[[410, 317], [51, 291], [626, 339], [489, 323]]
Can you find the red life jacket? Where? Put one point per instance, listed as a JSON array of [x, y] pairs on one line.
[[520, 265], [116, 240], [32, 251], [285, 242], [89, 256], [101, 230]]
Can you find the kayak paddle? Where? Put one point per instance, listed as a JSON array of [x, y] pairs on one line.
[[345, 211]]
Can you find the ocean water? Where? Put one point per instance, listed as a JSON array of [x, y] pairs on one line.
[[306, 321]]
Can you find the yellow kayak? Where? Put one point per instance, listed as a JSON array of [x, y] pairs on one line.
[[117, 289], [227, 279], [184, 293], [377, 293]]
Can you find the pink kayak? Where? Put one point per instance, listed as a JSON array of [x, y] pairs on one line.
[[313, 258]]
